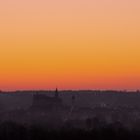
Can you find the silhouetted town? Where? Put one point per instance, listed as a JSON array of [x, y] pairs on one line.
[[84, 110], [62, 106]]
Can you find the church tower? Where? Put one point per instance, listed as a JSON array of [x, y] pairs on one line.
[[73, 100], [56, 93]]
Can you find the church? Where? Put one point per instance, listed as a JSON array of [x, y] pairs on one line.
[[46, 103]]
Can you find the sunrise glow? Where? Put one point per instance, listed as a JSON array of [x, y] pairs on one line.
[[71, 44]]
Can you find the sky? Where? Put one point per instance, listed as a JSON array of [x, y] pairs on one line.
[[70, 44]]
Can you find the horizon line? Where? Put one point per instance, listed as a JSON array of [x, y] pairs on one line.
[[27, 90]]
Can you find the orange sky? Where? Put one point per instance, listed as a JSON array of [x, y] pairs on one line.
[[75, 44]]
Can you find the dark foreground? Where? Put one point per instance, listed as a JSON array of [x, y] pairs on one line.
[[14, 131]]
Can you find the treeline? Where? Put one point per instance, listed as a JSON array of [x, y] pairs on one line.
[[14, 131]]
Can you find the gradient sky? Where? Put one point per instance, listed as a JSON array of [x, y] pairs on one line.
[[71, 44]]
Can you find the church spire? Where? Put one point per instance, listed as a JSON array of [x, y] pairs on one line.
[[56, 93]]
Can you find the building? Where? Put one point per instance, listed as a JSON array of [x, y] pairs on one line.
[[44, 102]]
